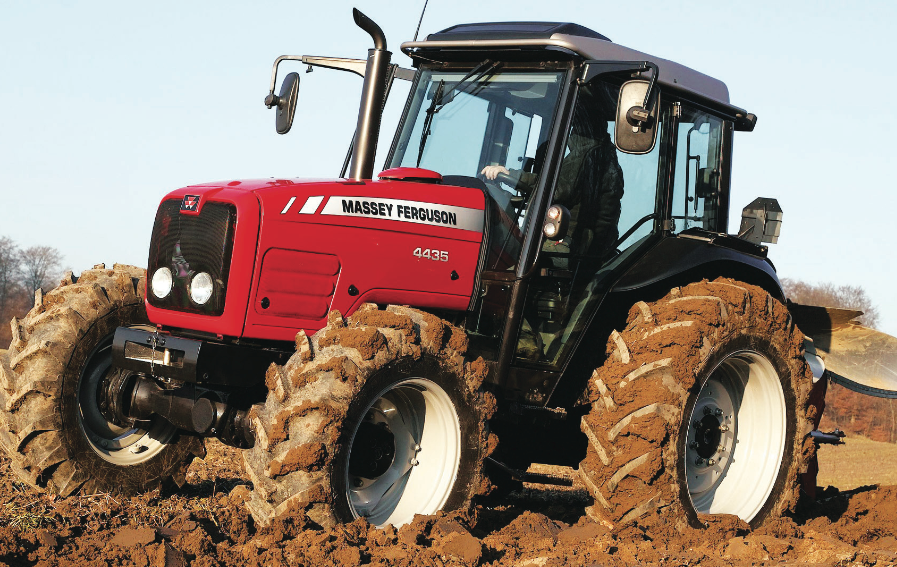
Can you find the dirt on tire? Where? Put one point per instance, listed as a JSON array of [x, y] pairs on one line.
[[654, 366]]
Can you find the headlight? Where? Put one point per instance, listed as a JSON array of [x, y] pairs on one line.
[[161, 284], [201, 287]]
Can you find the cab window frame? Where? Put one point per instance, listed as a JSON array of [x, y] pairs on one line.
[[678, 98]]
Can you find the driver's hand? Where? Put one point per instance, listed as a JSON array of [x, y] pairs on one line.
[[492, 171]]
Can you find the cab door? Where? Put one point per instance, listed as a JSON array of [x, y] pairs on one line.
[[614, 206]]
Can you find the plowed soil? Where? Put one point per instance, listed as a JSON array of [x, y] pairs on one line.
[[201, 525]]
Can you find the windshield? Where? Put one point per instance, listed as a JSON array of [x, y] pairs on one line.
[[461, 122]]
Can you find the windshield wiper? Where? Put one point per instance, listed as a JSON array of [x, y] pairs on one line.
[[428, 121], [440, 100]]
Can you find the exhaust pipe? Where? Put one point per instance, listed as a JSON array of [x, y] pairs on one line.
[[373, 94]]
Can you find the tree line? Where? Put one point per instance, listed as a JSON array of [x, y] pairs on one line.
[[22, 272]]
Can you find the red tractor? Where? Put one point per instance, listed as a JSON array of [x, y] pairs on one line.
[[542, 274]]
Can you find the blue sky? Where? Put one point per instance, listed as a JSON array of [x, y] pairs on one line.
[[107, 106]]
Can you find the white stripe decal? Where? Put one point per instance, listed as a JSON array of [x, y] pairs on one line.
[[289, 204], [406, 211], [311, 205]]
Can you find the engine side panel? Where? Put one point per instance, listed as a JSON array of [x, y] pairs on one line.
[[337, 245]]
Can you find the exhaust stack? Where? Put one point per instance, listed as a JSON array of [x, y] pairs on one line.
[[372, 96]]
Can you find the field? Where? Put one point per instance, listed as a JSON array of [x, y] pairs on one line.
[[203, 526], [859, 462]]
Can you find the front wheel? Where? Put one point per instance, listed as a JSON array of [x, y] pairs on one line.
[[701, 408], [376, 417], [52, 378]]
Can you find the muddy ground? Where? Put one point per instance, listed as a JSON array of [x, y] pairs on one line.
[[201, 525]]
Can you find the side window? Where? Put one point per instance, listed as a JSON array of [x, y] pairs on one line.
[[697, 174], [640, 179]]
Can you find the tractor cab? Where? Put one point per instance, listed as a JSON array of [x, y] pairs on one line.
[[590, 154]]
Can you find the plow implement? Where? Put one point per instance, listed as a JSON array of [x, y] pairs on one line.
[[859, 358]]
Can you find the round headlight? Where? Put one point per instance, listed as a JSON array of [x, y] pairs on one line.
[[201, 287], [554, 212], [161, 284]]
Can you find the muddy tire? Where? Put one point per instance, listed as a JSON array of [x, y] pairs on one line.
[[342, 433], [709, 365], [51, 427]]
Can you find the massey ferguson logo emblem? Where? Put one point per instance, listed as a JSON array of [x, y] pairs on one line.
[[190, 203]]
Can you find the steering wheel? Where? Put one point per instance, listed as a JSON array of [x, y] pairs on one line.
[[514, 184]]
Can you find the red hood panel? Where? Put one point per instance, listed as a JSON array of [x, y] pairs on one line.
[[391, 241]]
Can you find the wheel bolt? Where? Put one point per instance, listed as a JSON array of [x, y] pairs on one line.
[[414, 462], [693, 444], [699, 461], [416, 448], [724, 428], [696, 423], [104, 443], [711, 462], [707, 410], [357, 482], [718, 412]]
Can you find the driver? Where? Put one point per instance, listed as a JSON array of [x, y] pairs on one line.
[[590, 185]]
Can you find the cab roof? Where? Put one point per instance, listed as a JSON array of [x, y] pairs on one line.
[[571, 37]]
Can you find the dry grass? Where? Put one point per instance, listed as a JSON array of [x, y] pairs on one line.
[[858, 462]]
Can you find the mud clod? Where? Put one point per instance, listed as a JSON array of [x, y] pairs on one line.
[[308, 457], [367, 341]]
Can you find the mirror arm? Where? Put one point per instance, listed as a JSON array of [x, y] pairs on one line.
[[654, 75], [356, 66], [595, 68]]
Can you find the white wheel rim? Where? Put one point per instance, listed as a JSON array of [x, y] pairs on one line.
[[123, 446], [744, 397], [427, 436]]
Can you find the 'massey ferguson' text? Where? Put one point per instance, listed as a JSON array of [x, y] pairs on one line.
[[402, 211]]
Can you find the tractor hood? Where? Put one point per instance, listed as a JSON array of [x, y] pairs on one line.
[[297, 248]]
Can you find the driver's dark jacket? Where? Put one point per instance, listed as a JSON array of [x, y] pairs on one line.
[[590, 185]]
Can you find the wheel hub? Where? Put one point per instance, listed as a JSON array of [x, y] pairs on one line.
[[707, 436], [373, 451]]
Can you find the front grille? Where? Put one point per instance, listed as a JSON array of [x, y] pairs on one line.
[[188, 245]]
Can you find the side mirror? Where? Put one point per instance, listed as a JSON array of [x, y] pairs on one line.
[[557, 219], [636, 126], [285, 102]]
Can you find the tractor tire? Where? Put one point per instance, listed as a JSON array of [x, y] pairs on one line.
[[701, 407], [50, 422], [376, 416]]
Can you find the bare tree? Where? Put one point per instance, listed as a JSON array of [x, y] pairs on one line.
[[40, 266], [830, 295], [9, 272]]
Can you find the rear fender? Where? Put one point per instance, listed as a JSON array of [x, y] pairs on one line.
[[688, 258]]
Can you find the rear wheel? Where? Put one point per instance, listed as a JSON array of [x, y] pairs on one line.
[[700, 408], [379, 418]]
